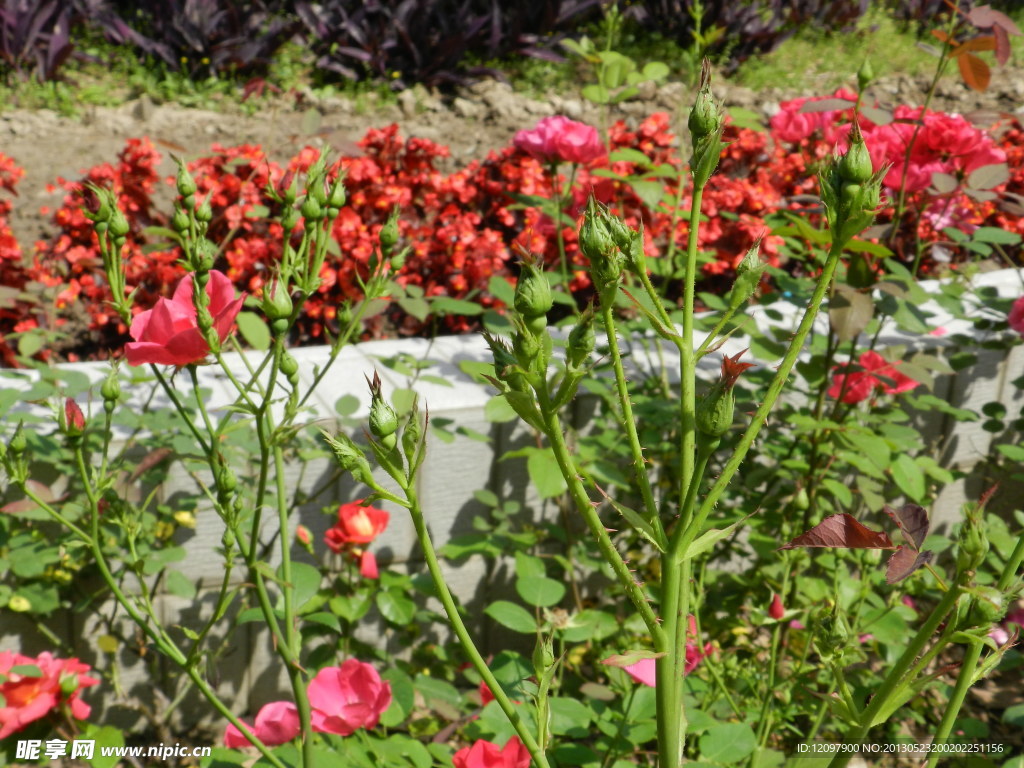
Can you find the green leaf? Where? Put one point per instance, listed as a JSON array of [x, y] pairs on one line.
[[729, 743], [708, 539], [180, 585], [528, 566], [512, 616], [254, 330], [850, 312], [570, 717], [346, 405], [540, 590], [305, 583], [590, 624], [545, 474], [909, 477], [325, 619], [445, 305], [403, 697], [840, 491], [107, 736], [395, 607]]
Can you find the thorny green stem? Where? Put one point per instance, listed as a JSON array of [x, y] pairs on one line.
[[892, 683], [465, 639], [964, 680]]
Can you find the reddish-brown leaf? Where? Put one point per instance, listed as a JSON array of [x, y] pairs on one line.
[[984, 43], [985, 16], [841, 531], [1002, 45], [974, 71], [940, 35], [905, 561], [913, 522]]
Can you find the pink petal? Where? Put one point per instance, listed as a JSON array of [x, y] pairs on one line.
[[643, 671]]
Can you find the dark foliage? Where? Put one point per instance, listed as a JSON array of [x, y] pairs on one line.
[[924, 14], [428, 41], [748, 28], [200, 37], [34, 37]]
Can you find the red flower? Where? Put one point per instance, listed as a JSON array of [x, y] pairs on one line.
[[485, 754], [560, 139], [776, 610], [168, 334], [1016, 317], [347, 698], [877, 374], [276, 723], [74, 420], [356, 525], [29, 697]]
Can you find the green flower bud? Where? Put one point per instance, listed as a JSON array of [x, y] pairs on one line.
[[311, 210], [801, 500], [180, 221], [336, 199], [19, 442], [581, 339], [277, 303], [527, 347], [227, 481], [205, 211], [316, 191], [855, 165], [119, 226], [989, 605], [973, 544], [350, 458], [184, 181], [383, 419], [389, 233], [865, 75], [595, 238], [289, 365], [543, 656], [831, 635], [533, 292], [715, 412], [110, 390], [705, 116], [398, 260]]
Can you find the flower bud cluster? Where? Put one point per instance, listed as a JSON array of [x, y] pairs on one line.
[[850, 191]]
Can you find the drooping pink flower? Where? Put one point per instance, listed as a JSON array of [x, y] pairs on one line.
[[28, 697], [168, 334], [347, 698], [876, 374], [368, 565], [485, 754], [776, 610], [559, 139], [1016, 317], [276, 723], [1012, 622], [643, 671]]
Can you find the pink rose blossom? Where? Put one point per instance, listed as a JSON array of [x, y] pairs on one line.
[[347, 698], [485, 754], [559, 139], [168, 334], [276, 723], [643, 671], [1017, 316]]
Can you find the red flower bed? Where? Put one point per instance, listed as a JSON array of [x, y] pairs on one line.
[[462, 226]]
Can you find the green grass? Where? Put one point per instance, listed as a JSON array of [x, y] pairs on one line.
[[811, 62]]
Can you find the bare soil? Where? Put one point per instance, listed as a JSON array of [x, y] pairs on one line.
[[480, 118]]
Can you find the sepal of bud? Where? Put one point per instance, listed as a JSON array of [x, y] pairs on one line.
[[184, 182], [748, 276], [855, 165], [119, 226], [277, 301], [110, 390], [581, 340], [180, 221], [337, 198], [350, 458], [706, 116], [533, 292], [388, 236], [311, 209], [715, 411], [18, 442]]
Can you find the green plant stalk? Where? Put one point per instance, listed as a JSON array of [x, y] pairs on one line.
[[1013, 563], [553, 431], [895, 680], [671, 710], [465, 639], [773, 660], [164, 643], [964, 680], [761, 415], [628, 422]]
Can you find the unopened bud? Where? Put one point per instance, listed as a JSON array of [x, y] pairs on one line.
[[581, 339], [855, 165], [19, 442], [336, 199], [705, 116], [289, 365], [865, 75], [383, 419], [311, 209], [72, 420], [715, 412], [277, 303], [973, 543], [349, 457], [776, 610], [185, 183], [119, 226], [180, 221], [204, 212], [533, 293], [389, 233], [110, 390]]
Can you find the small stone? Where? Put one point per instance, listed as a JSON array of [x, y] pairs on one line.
[[466, 108]]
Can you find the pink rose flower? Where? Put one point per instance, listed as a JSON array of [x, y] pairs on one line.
[[168, 334], [347, 698], [276, 723], [1016, 317], [29, 697], [560, 139], [643, 671], [484, 754], [877, 374]]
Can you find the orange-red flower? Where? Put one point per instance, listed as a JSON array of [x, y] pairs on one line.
[[40, 686]]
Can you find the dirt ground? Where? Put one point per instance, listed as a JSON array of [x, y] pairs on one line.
[[478, 119]]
